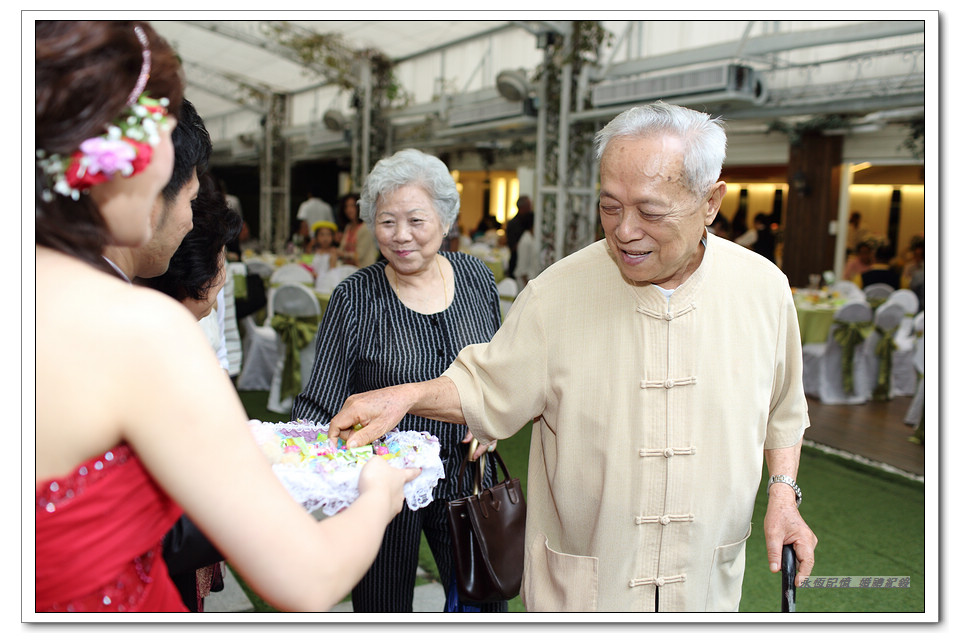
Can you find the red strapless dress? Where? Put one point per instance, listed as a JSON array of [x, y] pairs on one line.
[[100, 539]]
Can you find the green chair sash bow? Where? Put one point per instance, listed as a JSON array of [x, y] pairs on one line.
[[239, 286], [849, 335], [885, 348], [295, 333]]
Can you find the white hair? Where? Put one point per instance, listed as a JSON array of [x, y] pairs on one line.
[[705, 142], [411, 167]]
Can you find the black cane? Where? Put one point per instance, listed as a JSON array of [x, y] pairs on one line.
[[788, 569]]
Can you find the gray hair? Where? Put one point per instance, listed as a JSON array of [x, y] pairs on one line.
[[705, 142], [411, 167]]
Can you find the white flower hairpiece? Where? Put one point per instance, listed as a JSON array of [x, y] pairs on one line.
[[125, 148]]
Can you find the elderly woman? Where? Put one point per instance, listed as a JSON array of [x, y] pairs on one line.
[[404, 320]]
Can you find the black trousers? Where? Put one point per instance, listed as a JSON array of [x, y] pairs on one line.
[[388, 584]]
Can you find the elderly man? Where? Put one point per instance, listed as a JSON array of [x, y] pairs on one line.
[[660, 366]]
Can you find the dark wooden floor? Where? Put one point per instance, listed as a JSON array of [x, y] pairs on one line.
[[874, 430]]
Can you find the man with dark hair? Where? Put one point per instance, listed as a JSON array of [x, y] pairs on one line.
[[315, 209], [882, 272], [172, 217], [515, 228], [186, 549]]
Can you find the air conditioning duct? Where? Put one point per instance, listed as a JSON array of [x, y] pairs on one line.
[[323, 137], [246, 145], [485, 106], [719, 83]]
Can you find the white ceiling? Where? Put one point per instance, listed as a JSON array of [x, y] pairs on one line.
[[205, 52]]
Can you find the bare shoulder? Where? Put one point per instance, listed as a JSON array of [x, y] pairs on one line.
[[93, 303], [101, 346]]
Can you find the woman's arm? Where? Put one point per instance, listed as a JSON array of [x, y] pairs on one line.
[[184, 420]]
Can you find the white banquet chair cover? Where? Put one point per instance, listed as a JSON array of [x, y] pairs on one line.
[[903, 378], [261, 349], [291, 273], [907, 299], [812, 364], [878, 291], [295, 300], [259, 267], [886, 319], [328, 280], [826, 382], [849, 291], [507, 287], [915, 411]]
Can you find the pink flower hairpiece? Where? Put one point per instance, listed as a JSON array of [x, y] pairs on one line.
[[125, 148]]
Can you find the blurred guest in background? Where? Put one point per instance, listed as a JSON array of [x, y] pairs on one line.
[[515, 227], [880, 271], [528, 255], [859, 262], [357, 244], [314, 209]]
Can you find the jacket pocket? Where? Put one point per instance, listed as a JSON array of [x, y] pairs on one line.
[[558, 582], [726, 576]]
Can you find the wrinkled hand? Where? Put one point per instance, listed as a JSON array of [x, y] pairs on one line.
[[378, 476], [783, 525], [481, 448], [374, 412]]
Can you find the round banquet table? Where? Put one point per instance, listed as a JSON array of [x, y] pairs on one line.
[[815, 317]]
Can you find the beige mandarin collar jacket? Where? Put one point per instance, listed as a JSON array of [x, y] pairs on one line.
[[651, 417]]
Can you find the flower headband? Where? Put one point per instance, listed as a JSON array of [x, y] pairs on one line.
[[125, 148]]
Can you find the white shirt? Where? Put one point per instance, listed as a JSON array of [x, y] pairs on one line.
[[313, 210], [528, 259]]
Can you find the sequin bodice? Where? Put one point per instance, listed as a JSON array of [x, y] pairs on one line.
[[99, 534]]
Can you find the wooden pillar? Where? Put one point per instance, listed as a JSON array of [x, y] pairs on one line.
[[814, 174]]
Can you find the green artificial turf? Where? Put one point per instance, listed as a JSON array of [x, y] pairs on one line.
[[868, 522]]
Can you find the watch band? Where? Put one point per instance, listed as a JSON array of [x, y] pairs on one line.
[[785, 480]]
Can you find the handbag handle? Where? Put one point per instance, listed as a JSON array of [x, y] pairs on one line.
[[480, 465]]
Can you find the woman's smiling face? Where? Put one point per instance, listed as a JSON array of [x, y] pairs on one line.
[[408, 229]]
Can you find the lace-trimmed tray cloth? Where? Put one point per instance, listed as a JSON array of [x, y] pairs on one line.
[[321, 477]]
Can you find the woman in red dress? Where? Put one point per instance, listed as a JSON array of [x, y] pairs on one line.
[[135, 421]]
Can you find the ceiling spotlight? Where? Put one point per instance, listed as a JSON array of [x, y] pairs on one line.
[[334, 120], [513, 84]]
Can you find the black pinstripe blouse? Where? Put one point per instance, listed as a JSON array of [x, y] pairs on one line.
[[369, 340]]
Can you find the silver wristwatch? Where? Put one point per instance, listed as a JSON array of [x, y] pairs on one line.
[[785, 480]]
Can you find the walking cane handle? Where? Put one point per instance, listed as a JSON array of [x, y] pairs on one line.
[[788, 576]]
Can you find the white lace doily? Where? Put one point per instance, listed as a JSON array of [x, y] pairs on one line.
[[331, 484]]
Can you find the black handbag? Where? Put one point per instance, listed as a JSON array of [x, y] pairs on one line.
[[487, 530]]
